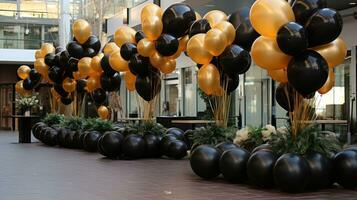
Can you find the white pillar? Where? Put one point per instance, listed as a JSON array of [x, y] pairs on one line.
[[64, 22]]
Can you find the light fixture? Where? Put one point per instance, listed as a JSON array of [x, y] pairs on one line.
[[352, 3]]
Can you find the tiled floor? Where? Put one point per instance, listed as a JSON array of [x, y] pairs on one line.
[[37, 172]]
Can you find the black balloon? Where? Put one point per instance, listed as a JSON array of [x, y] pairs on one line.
[[199, 26], [110, 144], [133, 146], [89, 52], [59, 50], [64, 58], [345, 164], [233, 164], [56, 74], [204, 161], [139, 65], [127, 50], [75, 140], [239, 17], [90, 141], [303, 9], [99, 96], [230, 83], [81, 85], [75, 49], [166, 45], [51, 137], [106, 66], [68, 140], [177, 19], [61, 135], [93, 42], [34, 75], [307, 72], [73, 64], [139, 36], [235, 60], [284, 95], [260, 168], [110, 83], [148, 86], [177, 149], [291, 173], [152, 145], [323, 27], [188, 137], [245, 35], [165, 143], [28, 84], [59, 89], [50, 59], [66, 100], [292, 38], [180, 134], [225, 146], [266, 147], [321, 170]]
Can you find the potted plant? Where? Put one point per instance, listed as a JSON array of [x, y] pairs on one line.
[[25, 104]]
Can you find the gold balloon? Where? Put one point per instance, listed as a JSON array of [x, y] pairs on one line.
[[267, 16], [84, 66], [19, 88], [103, 112], [47, 48], [129, 79], [334, 52], [219, 91], [77, 75], [208, 78], [215, 42], [157, 60], [96, 63], [215, 16], [330, 82], [69, 85], [123, 35], [152, 27], [280, 75], [168, 67], [23, 71], [93, 83], [228, 29], [267, 54], [183, 43], [41, 66], [110, 48], [118, 63], [196, 50], [146, 47], [38, 54], [198, 16], [81, 30], [151, 10]]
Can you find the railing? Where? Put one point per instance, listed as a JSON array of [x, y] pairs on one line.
[[9, 43], [28, 14]]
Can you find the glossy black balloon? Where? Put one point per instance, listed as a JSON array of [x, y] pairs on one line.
[[324, 26], [59, 50], [204, 161], [307, 72], [110, 144], [61, 136], [133, 146], [177, 19], [284, 95], [239, 17], [180, 134], [245, 35], [345, 164], [68, 139], [66, 100], [90, 141], [108, 70], [76, 139], [64, 58], [34, 75], [50, 59], [188, 134], [267, 147], [166, 45], [152, 146], [291, 173], [321, 170], [303, 9], [93, 42], [28, 84], [260, 168], [56, 74], [89, 52], [50, 137], [235, 60], [199, 26], [110, 83], [75, 49], [72, 64], [177, 149], [148, 86], [165, 142], [230, 83], [292, 38], [127, 50], [139, 36], [225, 146], [99, 96], [139, 65], [59, 89], [233, 164], [81, 85]]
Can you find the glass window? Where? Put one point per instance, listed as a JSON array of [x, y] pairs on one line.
[[189, 92]]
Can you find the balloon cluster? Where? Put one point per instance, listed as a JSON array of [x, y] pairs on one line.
[[220, 46], [299, 43], [30, 80]]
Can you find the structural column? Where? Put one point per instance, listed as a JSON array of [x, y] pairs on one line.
[[64, 23]]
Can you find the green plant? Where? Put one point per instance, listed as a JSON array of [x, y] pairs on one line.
[[212, 135], [73, 123], [206, 99], [148, 127], [309, 139], [97, 124], [53, 118], [25, 103]]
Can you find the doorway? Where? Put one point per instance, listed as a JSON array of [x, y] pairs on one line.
[[6, 106]]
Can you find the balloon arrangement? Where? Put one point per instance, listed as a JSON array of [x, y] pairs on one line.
[[220, 46], [299, 45]]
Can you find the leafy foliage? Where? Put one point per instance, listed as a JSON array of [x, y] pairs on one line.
[[73, 123], [147, 127], [97, 124], [53, 118], [212, 135], [206, 99], [254, 138]]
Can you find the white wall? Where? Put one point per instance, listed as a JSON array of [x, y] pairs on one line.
[[349, 31], [166, 3], [17, 56], [135, 13]]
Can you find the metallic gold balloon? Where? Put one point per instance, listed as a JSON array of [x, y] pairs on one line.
[[280, 75], [219, 91], [123, 35], [334, 52], [196, 50], [110, 48], [129, 79], [20, 89], [96, 62], [156, 60], [183, 43], [168, 67], [77, 75], [267, 16], [146, 47], [267, 54], [330, 82], [208, 78], [152, 27], [215, 42], [69, 85], [151, 10], [93, 83], [103, 112], [23, 71], [41, 66], [198, 16], [228, 29], [38, 54], [47, 48], [215, 16], [117, 62], [81, 30], [84, 66]]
